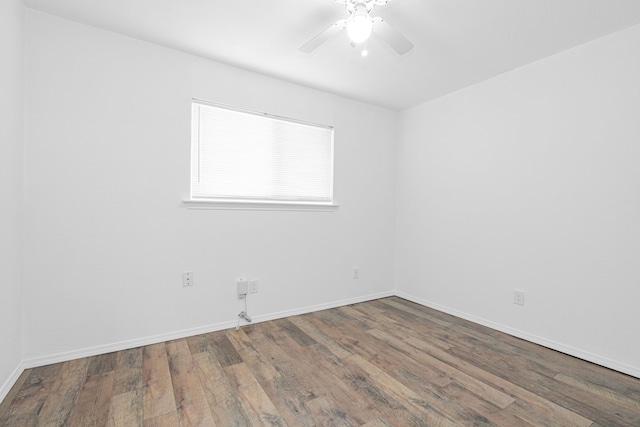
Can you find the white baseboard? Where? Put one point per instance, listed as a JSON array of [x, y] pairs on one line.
[[580, 354], [6, 387], [138, 342]]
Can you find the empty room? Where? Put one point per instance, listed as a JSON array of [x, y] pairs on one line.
[[320, 213]]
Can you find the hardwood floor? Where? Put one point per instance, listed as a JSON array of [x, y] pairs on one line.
[[387, 362]]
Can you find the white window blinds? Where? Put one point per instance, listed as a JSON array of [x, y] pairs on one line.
[[241, 156]]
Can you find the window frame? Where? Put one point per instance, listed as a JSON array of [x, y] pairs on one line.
[[259, 204]]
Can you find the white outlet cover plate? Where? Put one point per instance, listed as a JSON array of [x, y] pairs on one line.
[[187, 278], [254, 286], [518, 297]]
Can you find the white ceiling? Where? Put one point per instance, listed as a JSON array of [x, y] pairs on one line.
[[457, 42]]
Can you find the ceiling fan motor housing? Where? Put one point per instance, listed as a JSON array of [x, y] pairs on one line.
[[352, 5]]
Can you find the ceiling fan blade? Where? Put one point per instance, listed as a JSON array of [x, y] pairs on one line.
[[325, 35], [386, 32]]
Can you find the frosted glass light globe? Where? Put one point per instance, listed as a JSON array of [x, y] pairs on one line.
[[359, 26]]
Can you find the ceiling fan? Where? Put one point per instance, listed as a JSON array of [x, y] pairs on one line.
[[360, 24]]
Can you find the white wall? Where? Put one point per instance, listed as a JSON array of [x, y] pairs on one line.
[[12, 13], [107, 157], [531, 180]]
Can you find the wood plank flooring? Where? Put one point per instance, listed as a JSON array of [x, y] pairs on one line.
[[381, 363]]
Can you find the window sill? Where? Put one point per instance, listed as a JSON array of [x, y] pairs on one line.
[[259, 206]]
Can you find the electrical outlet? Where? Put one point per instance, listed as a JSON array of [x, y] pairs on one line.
[[253, 286], [518, 297], [356, 273], [243, 288], [187, 278]]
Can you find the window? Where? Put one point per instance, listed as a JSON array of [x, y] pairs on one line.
[[240, 157]]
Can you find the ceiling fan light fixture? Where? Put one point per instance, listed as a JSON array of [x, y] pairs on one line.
[[360, 24]]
